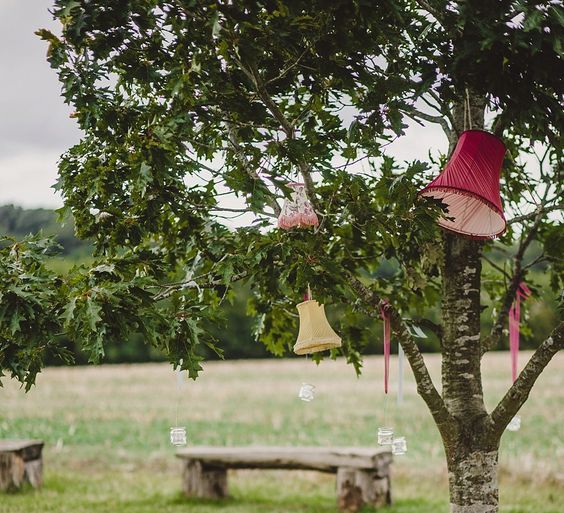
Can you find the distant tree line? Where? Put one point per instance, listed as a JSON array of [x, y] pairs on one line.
[[235, 334], [18, 222]]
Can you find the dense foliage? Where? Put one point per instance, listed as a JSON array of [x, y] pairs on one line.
[[193, 111], [237, 341]]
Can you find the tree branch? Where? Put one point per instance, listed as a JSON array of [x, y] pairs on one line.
[[428, 117], [540, 209], [519, 392], [535, 261], [232, 136], [444, 107], [518, 272], [285, 71], [431, 10], [169, 289], [499, 124], [495, 266], [425, 386], [440, 120], [288, 129], [422, 322]]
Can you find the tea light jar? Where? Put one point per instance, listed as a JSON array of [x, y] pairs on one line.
[[385, 435], [399, 446], [307, 392], [514, 424], [178, 436]]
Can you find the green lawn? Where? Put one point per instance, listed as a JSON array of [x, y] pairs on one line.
[[106, 430]]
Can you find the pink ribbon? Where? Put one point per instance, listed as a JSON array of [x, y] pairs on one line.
[[514, 319], [387, 330]]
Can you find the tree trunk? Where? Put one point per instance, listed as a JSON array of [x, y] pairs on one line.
[[461, 375], [472, 450], [473, 482]]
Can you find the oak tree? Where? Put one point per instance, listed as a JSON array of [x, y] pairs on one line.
[[195, 111]]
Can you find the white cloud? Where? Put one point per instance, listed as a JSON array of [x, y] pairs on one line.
[[35, 127]]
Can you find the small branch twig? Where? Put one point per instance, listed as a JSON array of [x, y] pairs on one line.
[[495, 266], [535, 261], [519, 392], [431, 10], [286, 70], [170, 289], [540, 209], [444, 108], [440, 120], [437, 329], [232, 137]]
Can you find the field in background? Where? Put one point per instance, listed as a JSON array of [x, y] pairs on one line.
[[107, 450]]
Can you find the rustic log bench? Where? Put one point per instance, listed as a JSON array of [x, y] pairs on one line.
[[363, 474], [20, 462]]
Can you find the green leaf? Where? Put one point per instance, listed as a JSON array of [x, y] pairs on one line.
[[15, 321], [93, 313], [68, 313]]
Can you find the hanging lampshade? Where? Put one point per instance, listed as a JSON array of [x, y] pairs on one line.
[[297, 210], [469, 186], [315, 333]]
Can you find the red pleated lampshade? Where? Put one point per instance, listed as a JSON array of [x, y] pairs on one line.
[[469, 186]]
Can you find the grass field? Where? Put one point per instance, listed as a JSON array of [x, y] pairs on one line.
[[107, 450]]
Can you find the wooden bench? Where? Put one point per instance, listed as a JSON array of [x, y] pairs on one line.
[[363, 474], [20, 462]]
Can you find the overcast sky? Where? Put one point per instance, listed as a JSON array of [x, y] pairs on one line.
[[35, 128]]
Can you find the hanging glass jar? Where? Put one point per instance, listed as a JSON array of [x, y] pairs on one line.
[[178, 436], [307, 392], [385, 435], [399, 446]]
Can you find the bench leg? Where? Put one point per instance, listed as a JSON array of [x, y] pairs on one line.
[[34, 472], [12, 472], [204, 482], [355, 488]]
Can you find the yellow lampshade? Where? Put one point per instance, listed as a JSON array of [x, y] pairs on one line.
[[315, 332]]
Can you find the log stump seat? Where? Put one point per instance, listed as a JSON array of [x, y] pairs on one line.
[[21, 462]]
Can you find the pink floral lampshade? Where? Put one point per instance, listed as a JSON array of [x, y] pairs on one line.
[[297, 211]]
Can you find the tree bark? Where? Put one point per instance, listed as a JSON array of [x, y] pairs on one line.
[[461, 375], [473, 481], [471, 448]]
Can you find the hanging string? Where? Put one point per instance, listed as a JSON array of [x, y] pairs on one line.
[[467, 111], [514, 320], [387, 332], [179, 381], [401, 358], [465, 114]]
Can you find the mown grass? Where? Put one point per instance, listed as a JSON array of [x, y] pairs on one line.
[[106, 430]]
